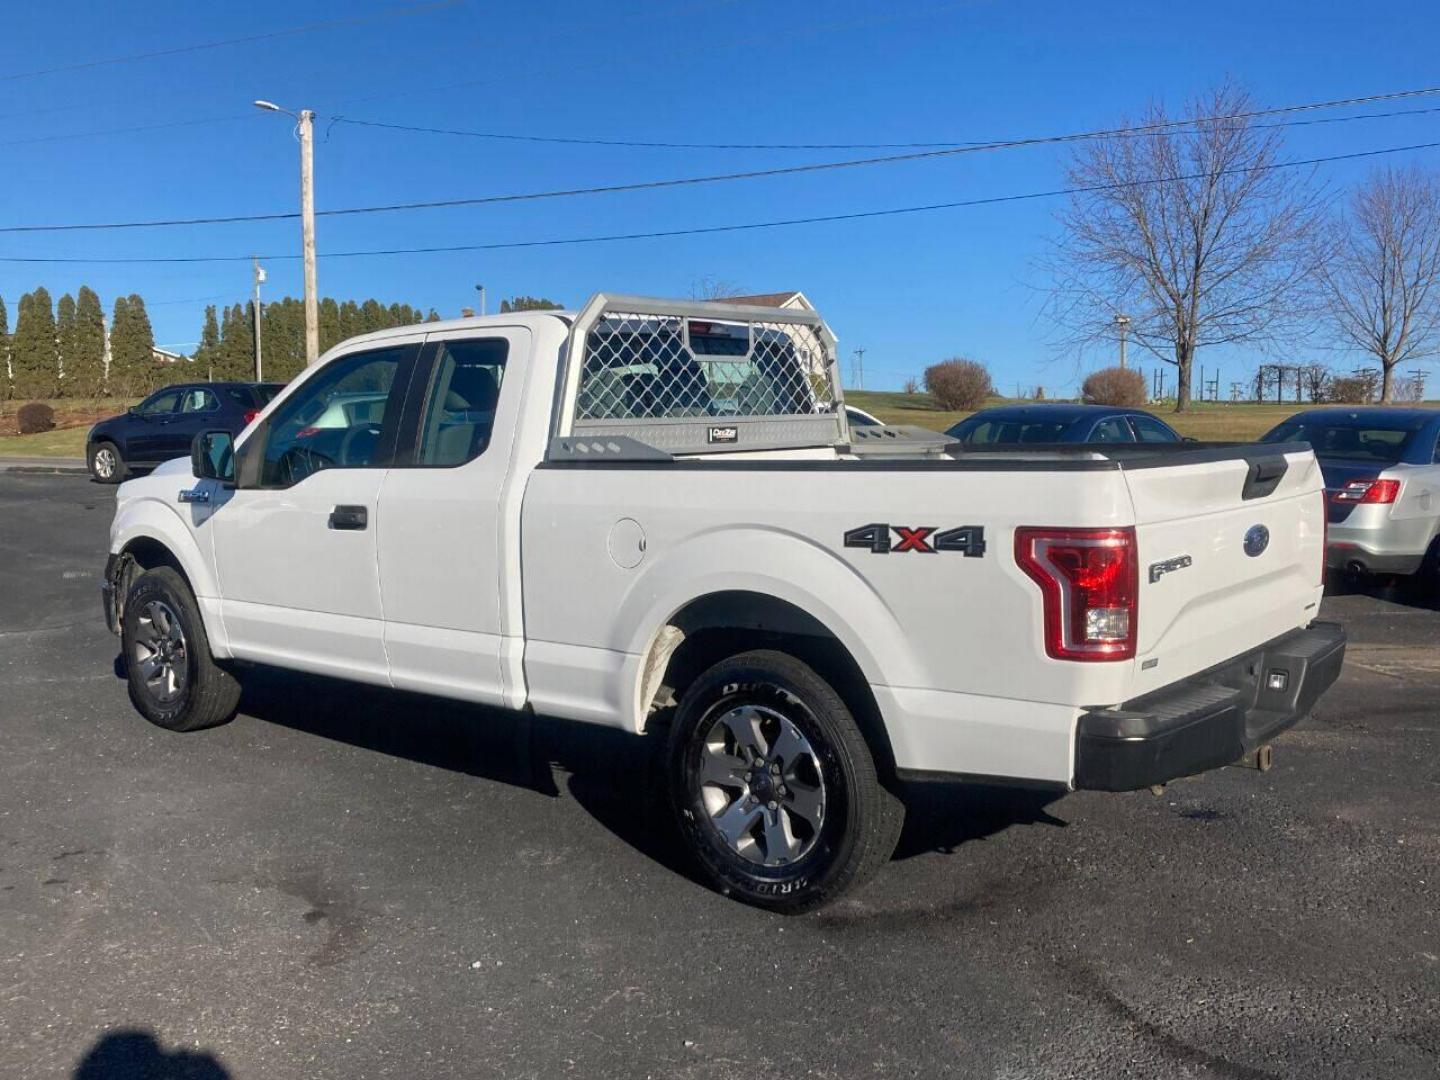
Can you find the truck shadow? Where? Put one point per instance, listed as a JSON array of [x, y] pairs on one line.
[[612, 774]]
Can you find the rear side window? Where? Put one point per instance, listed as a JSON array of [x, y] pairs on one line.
[[198, 400], [238, 396], [1354, 442], [459, 411], [1112, 430], [1148, 429], [265, 392]]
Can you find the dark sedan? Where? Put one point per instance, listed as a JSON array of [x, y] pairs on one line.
[[161, 426], [1061, 424]]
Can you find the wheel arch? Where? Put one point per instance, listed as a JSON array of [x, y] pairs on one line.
[[715, 625], [149, 534]]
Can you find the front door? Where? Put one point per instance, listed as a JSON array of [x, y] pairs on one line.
[[199, 410], [447, 538], [145, 432], [295, 544]]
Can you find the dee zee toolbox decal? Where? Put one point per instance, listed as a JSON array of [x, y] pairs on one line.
[[883, 538]]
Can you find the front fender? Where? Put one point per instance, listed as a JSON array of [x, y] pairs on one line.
[[148, 518]]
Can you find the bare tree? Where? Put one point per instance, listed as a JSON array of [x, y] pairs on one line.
[[1317, 381], [1382, 273], [1190, 229], [712, 288]]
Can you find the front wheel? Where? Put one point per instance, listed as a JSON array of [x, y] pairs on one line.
[[775, 786], [106, 464], [174, 681]]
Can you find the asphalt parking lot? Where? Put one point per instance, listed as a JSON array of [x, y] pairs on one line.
[[347, 883]]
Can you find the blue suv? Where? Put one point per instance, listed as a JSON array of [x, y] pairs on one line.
[[161, 426]]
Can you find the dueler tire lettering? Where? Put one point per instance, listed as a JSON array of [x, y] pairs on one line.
[[862, 819]]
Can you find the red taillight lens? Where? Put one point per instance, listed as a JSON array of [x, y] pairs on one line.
[[1090, 581], [1382, 491], [1369, 491], [250, 414]]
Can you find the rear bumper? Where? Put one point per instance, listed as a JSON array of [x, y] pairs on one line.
[[1210, 719], [1370, 540]]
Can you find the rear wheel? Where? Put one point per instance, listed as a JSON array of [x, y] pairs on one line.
[[106, 464], [775, 786], [174, 681]]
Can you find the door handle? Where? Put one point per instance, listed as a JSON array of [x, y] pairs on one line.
[[349, 517]]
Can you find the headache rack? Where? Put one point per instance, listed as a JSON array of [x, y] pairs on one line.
[[647, 378]]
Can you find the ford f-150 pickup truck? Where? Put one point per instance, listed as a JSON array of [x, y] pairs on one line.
[[655, 515]]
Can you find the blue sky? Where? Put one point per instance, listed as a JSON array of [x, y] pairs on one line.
[[911, 290]]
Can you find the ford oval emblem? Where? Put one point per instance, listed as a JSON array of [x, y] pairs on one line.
[[1257, 539]]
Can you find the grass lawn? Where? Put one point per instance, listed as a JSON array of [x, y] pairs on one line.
[[73, 418], [1208, 421], [62, 442]]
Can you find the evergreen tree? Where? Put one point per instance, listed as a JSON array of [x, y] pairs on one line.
[[5, 350], [35, 355], [65, 346], [433, 316], [330, 335], [528, 303], [373, 317], [87, 365], [133, 369], [207, 353]]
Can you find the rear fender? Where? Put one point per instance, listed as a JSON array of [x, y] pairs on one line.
[[816, 581]]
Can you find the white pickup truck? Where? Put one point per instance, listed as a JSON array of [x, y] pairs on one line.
[[655, 515]]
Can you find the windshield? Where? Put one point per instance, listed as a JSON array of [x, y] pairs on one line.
[[998, 429], [1352, 441]]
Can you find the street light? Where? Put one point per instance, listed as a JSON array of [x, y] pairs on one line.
[[305, 128], [1122, 323], [481, 290]]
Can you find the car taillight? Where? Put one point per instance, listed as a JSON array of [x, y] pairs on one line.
[[1369, 491], [1089, 579], [250, 414]]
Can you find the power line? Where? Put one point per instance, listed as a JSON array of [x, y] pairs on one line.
[[747, 226], [329, 24], [750, 174], [957, 143]]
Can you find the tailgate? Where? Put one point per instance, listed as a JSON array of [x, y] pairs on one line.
[[1231, 553]]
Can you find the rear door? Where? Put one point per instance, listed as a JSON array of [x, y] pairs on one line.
[[198, 410], [446, 536], [1230, 555]]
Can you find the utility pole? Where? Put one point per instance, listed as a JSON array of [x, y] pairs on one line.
[[305, 132], [307, 228], [481, 290], [1122, 322], [859, 369], [259, 280]]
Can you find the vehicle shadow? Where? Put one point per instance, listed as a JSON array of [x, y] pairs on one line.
[[135, 1054], [1412, 591]]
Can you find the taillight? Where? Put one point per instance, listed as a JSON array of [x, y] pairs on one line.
[[1089, 579], [1369, 491], [250, 414]]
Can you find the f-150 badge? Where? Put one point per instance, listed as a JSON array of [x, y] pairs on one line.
[[969, 540], [1160, 569]]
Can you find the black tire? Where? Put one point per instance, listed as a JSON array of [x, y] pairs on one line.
[[859, 820], [1427, 578], [107, 465], [190, 691]]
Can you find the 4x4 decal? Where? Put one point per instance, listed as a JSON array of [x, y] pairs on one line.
[[969, 540]]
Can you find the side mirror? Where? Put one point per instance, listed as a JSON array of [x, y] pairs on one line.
[[212, 456], [134, 410]]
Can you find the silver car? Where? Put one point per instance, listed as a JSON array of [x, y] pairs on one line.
[[1382, 483]]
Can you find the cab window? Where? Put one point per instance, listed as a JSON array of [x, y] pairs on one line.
[[335, 420], [460, 407]]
